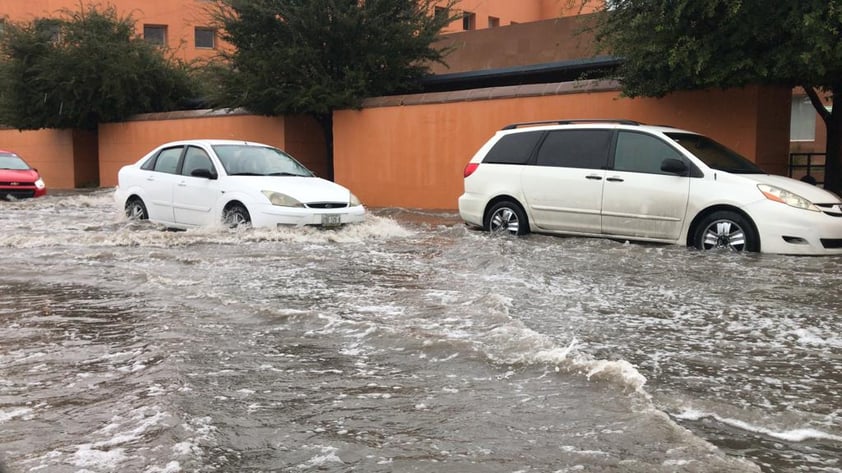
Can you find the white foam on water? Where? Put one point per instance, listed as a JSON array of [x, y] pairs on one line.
[[105, 460], [67, 219], [792, 435], [325, 456], [8, 415]]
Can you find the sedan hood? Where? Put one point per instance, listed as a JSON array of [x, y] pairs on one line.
[[303, 189], [18, 175], [814, 194]]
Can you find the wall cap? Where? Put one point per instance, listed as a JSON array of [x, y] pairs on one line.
[[495, 93]]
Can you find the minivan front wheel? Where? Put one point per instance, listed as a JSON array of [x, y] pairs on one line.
[[507, 216], [726, 230]]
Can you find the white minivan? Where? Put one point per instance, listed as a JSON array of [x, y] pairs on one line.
[[624, 180]]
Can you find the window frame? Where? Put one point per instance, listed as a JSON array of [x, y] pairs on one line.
[[204, 29], [147, 28]]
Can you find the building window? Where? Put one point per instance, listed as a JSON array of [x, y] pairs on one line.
[[205, 38], [802, 125], [469, 21], [493, 22], [155, 34], [50, 28]]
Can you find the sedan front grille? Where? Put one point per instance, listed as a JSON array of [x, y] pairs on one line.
[[327, 205]]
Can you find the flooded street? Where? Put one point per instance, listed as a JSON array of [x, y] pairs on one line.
[[408, 343]]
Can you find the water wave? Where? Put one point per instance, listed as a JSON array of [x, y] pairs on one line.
[[792, 435]]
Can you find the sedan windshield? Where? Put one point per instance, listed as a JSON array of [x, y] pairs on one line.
[[250, 160], [11, 161], [715, 155]]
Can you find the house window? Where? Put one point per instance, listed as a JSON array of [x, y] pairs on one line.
[[155, 34], [493, 22], [205, 38], [469, 21], [802, 125]]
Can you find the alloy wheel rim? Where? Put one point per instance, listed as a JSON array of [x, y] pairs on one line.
[[135, 211], [724, 234], [505, 220]]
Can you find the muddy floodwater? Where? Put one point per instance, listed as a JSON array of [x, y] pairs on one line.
[[408, 343]]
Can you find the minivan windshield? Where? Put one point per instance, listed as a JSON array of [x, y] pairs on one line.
[[715, 155]]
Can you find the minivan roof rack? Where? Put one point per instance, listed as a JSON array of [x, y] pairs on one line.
[[569, 122]]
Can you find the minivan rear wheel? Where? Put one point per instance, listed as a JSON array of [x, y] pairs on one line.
[[507, 217], [726, 230]]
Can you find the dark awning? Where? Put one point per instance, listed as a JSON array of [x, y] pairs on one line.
[[561, 71]]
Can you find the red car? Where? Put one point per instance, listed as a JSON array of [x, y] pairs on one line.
[[18, 180]]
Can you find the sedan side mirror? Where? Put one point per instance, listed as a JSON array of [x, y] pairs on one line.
[[674, 166], [202, 172]]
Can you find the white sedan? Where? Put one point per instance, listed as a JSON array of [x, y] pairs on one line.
[[192, 183]]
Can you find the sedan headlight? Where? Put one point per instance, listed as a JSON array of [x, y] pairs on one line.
[[355, 201], [39, 184], [281, 200], [786, 197]]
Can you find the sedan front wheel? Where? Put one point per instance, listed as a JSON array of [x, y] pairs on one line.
[[236, 216]]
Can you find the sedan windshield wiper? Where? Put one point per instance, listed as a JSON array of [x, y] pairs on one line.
[[286, 174], [246, 174]]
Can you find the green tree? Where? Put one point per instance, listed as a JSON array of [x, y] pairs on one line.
[[670, 45], [82, 69], [311, 57]]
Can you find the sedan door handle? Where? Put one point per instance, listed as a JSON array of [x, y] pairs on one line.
[[594, 177], [615, 179]]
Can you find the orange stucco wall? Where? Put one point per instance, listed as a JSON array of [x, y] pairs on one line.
[[179, 16], [66, 159], [413, 155]]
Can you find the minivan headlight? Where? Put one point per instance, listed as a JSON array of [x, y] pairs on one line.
[[281, 200], [786, 197]]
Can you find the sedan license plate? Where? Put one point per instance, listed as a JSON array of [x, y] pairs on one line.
[[333, 220]]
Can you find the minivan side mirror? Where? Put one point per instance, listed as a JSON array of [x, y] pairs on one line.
[[674, 166], [202, 172]]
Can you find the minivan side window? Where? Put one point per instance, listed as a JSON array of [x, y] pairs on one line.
[[513, 149], [638, 152], [587, 149]]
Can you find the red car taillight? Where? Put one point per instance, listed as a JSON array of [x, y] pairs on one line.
[[470, 168]]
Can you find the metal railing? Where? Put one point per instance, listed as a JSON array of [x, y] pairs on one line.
[[807, 164]]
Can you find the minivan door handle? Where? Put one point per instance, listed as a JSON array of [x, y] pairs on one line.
[[594, 177], [614, 179]]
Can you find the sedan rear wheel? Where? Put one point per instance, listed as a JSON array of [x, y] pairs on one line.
[[726, 230], [236, 216], [507, 217], [135, 210]]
